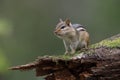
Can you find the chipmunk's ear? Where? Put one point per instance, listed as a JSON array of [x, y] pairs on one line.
[[60, 20], [67, 21]]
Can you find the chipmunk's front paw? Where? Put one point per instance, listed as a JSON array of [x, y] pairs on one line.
[[72, 52]]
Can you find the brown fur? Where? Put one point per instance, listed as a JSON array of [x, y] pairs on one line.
[[84, 36]]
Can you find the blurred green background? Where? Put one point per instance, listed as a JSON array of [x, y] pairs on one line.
[[26, 29]]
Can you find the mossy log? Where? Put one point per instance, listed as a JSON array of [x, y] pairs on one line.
[[100, 62]]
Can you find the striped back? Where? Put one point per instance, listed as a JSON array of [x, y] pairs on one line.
[[78, 27]]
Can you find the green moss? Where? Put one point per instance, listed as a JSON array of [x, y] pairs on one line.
[[56, 57], [69, 56], [107, 43], [65, 57]]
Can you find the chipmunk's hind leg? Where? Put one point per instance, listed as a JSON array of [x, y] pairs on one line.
[[82, 46], [78, 47]]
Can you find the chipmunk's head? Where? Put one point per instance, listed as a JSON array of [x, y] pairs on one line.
[[64, 29]]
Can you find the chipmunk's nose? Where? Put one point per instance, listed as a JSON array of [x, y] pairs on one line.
[[55, 32]]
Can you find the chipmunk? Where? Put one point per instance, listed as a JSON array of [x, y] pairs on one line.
[[74, 36]]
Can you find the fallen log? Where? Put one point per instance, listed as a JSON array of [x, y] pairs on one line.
[[100, 62]]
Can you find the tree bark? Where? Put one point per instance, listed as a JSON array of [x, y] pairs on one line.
[[100, 62]]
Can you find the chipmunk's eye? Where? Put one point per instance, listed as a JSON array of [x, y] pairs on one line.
[[62, 27]]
